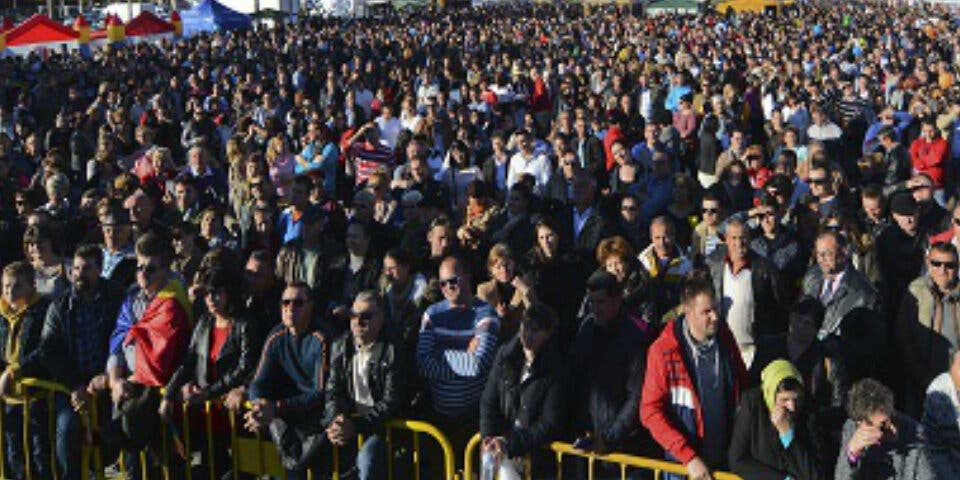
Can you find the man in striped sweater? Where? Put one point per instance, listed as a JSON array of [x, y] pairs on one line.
[[455, 351]]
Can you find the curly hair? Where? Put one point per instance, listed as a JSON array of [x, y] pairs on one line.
[[614, 246], [867, 397]]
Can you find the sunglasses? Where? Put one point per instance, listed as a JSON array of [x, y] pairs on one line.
[[362, 316], [147, 269], [450, 282], [817, 181], [711, 211], [294, 302], [939, 264]]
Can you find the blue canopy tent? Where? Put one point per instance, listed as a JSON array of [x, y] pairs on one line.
[[211, 15]]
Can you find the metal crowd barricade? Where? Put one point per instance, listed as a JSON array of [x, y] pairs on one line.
[[624, 461], [249, 454], [47, 391]]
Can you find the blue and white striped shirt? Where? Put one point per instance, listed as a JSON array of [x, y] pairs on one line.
[[456, 373]]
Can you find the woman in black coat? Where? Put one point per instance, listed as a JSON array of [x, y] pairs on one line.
[[771, 439], [521, 409], [221, 357]]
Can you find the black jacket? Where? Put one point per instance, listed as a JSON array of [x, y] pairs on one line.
[[594, 229], [595, 158], [897, 169], [769, 316], [233, 366], [54, 354], [529, 413], [755, 448], [385, 370], [607, 368]]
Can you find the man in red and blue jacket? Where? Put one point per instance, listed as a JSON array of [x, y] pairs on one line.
[[692, 384]]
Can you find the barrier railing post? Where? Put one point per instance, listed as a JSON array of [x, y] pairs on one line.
[[416, 456], [187, 451], [389, 434], [234, 444], [164, 451], [97, 457], [25, 416], [52, 435], [209, 424], [3, 439]]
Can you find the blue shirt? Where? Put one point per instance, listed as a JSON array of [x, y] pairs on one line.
[[457, 375]]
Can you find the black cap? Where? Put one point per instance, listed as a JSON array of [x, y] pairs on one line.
[[903, 203]]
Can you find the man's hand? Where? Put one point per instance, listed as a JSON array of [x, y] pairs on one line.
[[120, 389], [697, 470], [191, 393], [235, 398], [79, 399], [6, 383], [97, 384], [497, 446], [166, 409], [262, 413], [782, 419], [865, 437]]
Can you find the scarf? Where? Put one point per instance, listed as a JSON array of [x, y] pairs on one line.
[[14, 318]]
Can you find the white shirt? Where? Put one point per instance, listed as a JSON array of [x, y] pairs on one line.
[[830, 286], [389, 129], [361, 388], [536, 165], [738, 303]]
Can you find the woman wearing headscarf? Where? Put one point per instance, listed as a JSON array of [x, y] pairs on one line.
[[771, 438]]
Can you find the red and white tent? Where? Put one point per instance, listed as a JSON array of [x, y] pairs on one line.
[[39, 32], [148, 26]]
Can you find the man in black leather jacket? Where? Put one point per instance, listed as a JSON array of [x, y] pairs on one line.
[[364, 388]]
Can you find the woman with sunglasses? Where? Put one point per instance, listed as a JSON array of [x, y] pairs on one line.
[[221, 356]]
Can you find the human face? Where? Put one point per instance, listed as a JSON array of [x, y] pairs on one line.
[[17, 290], [711, 212], [150, 273], [533, 340], [395, 272], [818, 183], [216, 301], [439, 239], [366, 321], [830, 257], [85, 275], [295, 307], [907, 223], [662, 240], [452, 283], [629, 210], [357, 241], [787, 400], [768, 219], [943, 269], [736, 140], [619, 153], [503, 270], [617, 266], [871, 206], [736, 240], [603, 306], [701, 316], [884, 422], [548, 241]]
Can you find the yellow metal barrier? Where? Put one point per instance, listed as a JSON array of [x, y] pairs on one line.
[[418, 427], [250, 455], [48, 390], [658, 467], [626, 462]]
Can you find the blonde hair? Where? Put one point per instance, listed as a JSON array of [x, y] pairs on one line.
[[498, 252]]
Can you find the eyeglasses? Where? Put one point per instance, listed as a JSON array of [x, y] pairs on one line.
[[817, 181], [450, 282], [940, 264], [292, 302], [711, 211], [147, 268]]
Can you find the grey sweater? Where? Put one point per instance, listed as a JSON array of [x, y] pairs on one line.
[[905, 458]]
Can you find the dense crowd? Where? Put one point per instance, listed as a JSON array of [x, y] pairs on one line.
[[725, 240]]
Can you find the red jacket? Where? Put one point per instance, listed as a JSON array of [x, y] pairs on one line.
[[930, 158], [669, 394]]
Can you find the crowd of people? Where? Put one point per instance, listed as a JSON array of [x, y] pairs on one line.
[[727, 240]]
